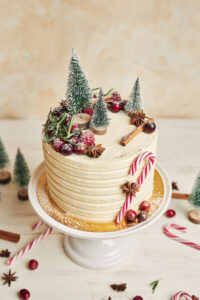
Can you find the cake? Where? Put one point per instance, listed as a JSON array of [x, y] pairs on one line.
[[99, 171]]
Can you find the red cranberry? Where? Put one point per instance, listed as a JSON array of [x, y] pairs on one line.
[[122, 104], [149, 127], [57, 144], [80, 148], [94, 96], [115, 106], [130, 216], [57, 112], [87, 138], [33, 264], [116, 96], [142, 216], [24, 294], [74, 140], [145, 205], [170, 213], [74, 127], [67, 149], [88, 110], [137, 298], [68, 118]]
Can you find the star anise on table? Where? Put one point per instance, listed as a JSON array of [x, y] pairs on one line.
[[137, 117], [118, 287], [174, 186], [94, 150], [5, 253], [130, 188], [8, 278]]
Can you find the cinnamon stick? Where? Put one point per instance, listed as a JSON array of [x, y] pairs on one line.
[[180, 196], [126, 139], [9, 236], [106, 99]]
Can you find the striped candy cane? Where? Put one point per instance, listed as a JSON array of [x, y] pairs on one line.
[[133, 169], [29, 246], [38, 225], [177, 238], [179, 295]]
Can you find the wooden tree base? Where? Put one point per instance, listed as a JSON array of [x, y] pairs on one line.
[[23, 194], [5, 177], [194, 216], [83, 120], [99, 130]]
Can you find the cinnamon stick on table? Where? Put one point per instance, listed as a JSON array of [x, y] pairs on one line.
[[9, 236], [180, 196]]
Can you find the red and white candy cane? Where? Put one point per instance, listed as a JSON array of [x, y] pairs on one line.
[[38, 225], [150, 157], [180, 295], [29, 246], [177, 238]]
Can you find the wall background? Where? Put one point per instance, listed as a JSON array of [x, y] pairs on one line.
[[117, 40]]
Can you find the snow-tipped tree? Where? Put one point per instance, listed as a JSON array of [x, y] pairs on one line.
[[135, 102], [194, 198], [100, 116], [21, 170], [78, 92], [4, 160]]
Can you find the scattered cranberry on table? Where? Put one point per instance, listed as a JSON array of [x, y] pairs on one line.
[[24, 294], [149, 127], [130, 216], [58, 144], [115, 106], [67, 149], [145, 205], [116, 96], [137, 298], [170, 213], [142, 216]]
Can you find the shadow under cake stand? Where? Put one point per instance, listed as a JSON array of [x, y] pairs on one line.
[[98, 250]]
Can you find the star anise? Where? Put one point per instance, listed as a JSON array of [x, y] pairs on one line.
[[5, 253], [8, 278], [118, 287], [174, 186], [137, 117], [130, 188], [94, 150], [63, 103]]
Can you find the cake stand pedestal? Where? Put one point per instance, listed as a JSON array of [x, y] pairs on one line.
[[98, 250]]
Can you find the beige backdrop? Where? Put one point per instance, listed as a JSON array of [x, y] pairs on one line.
[[117, 40]]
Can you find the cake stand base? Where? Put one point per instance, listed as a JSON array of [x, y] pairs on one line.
[[99, 254]]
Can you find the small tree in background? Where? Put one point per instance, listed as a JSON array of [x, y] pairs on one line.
[[4, 160], [78, 93], [135, 102], [21, 175], [100, 116], [194, 198]]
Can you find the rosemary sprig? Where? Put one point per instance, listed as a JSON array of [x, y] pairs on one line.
[[154, 285], [109, 92]]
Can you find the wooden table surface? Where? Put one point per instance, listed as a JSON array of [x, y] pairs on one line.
[[155, 256]]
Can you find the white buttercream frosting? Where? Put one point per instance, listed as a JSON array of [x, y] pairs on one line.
[[89, 188]]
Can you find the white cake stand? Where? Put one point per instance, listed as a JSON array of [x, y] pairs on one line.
[[98, 250]]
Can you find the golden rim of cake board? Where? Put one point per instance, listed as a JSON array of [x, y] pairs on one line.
[[61, 216]]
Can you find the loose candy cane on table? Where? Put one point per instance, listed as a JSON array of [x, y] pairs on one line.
[[133, 169], [29, 246], [177, 238], [180, 296], [38, 225]]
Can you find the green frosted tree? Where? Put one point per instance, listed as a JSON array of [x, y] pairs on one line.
[[135, 102], [21, 170], [100, 116], [194, 198], [4, 160], [78, 93]]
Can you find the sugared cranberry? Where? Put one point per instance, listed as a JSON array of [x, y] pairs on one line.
[[68, 118], [87, 138], [149, 127], [122, 104], [57, 112], [80, 148], [145, 205], [74, 140], [57, 144], [33, 264], [24, 294], [116, 96], [115, 106], [142, 216], [130, 216], [94, 96], [88, 110], [74, 127], [67, 149], [137, 298], [170, 213]]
